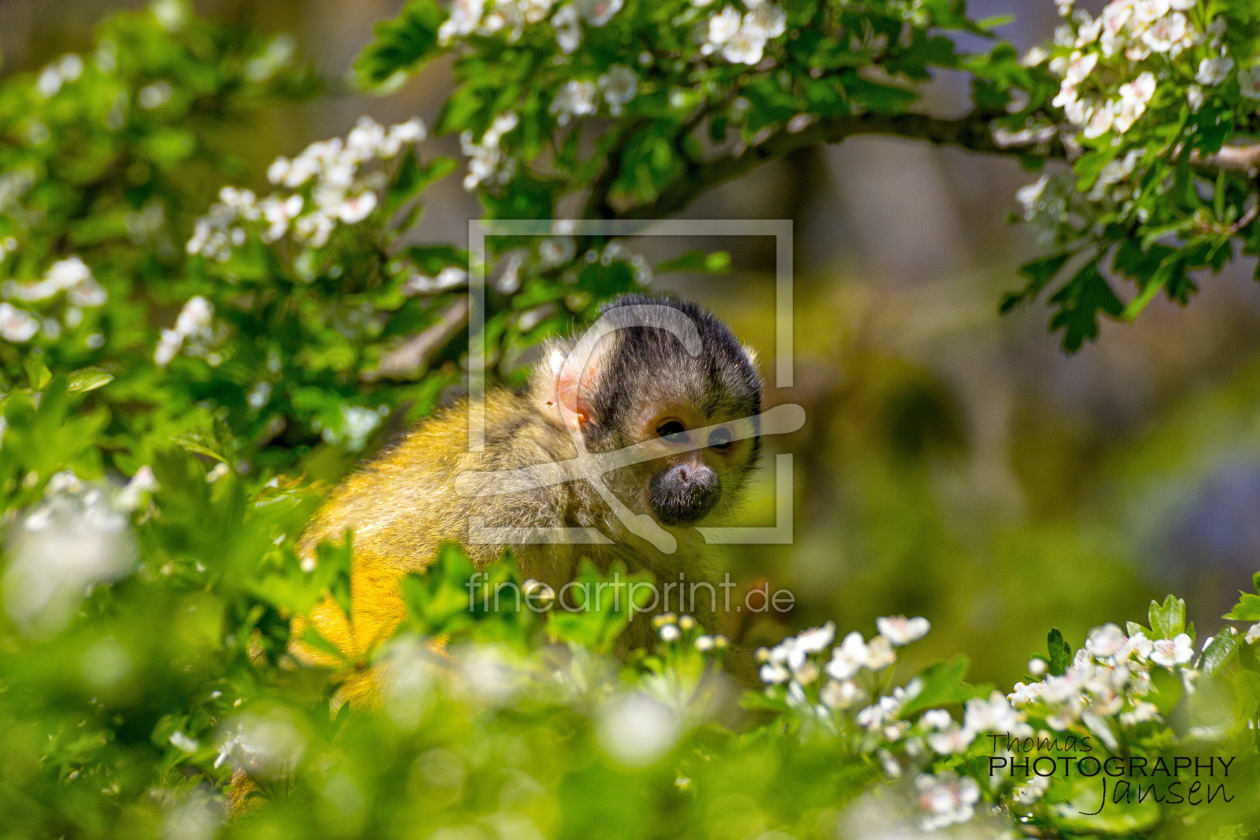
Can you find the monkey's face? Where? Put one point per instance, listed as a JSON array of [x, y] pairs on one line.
[[689, 420], [704, 462]]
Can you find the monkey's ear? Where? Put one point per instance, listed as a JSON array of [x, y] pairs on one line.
[[559, 385], [575, 411], [751, 354]]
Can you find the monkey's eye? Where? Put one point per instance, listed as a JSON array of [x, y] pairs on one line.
[[720, 439], [673, 431]]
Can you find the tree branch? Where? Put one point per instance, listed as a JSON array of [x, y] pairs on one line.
[[974, 131], [1230, 159]]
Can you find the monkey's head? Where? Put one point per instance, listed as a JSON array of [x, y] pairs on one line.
[[669, 398]]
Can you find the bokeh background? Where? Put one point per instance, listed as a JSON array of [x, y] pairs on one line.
[[956, 463]]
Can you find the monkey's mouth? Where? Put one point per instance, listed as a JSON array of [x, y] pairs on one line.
[[682, 495]]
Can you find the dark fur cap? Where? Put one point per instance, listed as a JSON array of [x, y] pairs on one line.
[[647, 361]]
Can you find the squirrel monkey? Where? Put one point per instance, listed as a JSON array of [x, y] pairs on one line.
[[640, 429]]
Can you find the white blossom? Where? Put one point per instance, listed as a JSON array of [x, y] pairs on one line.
[[746, 46], [1025, 693], [841, 694], [356, 208], [1213, 71], [879, 654], [1195, 97], [1105, 641], [994, 715], [1138, 646], [767, 18], [1143, 712], [1147, 12], [70, 276], [1249, 82], [848, 658], [261, 745], [1100, 121], [1079, 67], [951, 739], [722, 27], [193, 326], [901, 630], [1030, 194], [637, 730], [1253, 634], [816, 639], [76, 538], [568, 33], [15, 325], [487, 162], [1167, 33], [619, 86], [946, 800], [575, 99], [1171, 652], [464, 19]]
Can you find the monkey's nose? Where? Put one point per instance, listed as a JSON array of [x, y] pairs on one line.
[[684, 493]]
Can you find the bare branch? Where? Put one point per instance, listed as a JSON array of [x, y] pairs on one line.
[[408, 360], [1230, 159]]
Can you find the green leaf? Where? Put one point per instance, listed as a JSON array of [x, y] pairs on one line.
[[1080, 302], [88, 379], [402, 44], [1167, 619], [1219, 651], [1039, 272], [698, 262], [37, 374], [1247, 608], [943, 684], [1060, 651]]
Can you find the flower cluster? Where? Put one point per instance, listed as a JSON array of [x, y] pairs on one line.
[[1105, 686], [581, 98], [686, 631], [946, 800], [324, 186], [1111, 66], [1103, 693], [68, 281], [77, 537], [798, 662], [487, 162], [510, 17], [742, 38], [193, 332]]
